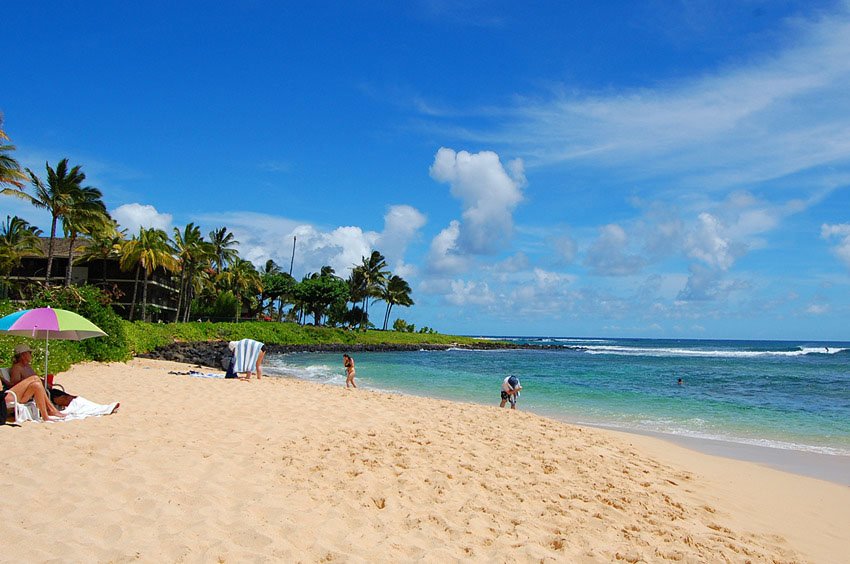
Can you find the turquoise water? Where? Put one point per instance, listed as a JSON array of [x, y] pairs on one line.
[[770, 393]]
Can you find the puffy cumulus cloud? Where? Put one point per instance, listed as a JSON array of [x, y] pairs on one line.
[[470, 292], [135, 216], [608, 255], [488, 192], [707, 243], [262, 237], [443, 256], [341, 248], [841, 232], [401, 226]]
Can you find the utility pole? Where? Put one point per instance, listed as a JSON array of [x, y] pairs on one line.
[[291, 262]]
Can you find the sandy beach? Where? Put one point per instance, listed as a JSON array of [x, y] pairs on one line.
[[204, 470]]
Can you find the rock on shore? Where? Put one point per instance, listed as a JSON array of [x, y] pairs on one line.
[[215, 354]]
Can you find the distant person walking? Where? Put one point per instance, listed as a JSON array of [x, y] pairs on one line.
[[510, 391], [348, 363]]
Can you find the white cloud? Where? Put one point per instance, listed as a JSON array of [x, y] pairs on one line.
[[470, 293], [443, 256], [609, 256], [707, 243], [842, 232], [817, 309], [135, 216], [762, 118], [402, 224], [262, 237], [488, 194]]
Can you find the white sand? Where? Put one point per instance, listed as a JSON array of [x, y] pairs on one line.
[[192, 469]]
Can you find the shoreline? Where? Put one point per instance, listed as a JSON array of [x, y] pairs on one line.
[[286, 469], [828, 467]]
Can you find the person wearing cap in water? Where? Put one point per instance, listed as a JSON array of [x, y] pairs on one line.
[[510, 391]]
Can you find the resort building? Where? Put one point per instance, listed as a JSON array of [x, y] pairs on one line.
[[102, 273]]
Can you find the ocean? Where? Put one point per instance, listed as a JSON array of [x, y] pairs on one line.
[[778, 394]]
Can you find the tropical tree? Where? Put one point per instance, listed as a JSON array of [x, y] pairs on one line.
[[17, 239], [318, 291], [147, 252], [193, 253], [86, 213], [103, 243], [10, 170], [243, 280], [222, 242], [373, 271], [396, 292], [55, 197], [277, 286]]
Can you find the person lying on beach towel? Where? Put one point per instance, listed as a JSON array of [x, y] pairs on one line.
[[248, 357]]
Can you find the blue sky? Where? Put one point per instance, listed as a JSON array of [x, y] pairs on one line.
[[646, 169]]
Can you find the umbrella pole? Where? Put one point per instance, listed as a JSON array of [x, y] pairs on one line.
[[46, 355]]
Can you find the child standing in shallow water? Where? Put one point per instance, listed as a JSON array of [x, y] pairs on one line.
[[348, 362]]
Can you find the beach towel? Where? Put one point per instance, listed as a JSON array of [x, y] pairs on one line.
[[80, 408], [246, 354]]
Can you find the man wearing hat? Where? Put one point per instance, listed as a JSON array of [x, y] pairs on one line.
[[22, 369], [510, 391]]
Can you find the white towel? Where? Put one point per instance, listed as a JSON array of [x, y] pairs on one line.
[[80, 408], [246, 354]]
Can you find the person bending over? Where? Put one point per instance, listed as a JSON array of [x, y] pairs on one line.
[[510, 391]]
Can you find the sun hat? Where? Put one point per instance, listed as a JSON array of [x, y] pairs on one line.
[[232, 345], [22, 348]]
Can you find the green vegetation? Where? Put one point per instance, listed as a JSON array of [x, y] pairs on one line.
[[144, 337]]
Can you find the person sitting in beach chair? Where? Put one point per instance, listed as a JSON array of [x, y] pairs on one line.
[[22, 371], [247, 358], [27, 389]]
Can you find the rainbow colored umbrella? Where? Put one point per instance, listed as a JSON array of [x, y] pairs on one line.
[[48, 323]]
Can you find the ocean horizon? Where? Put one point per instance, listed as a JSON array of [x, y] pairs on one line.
[[788, 395]]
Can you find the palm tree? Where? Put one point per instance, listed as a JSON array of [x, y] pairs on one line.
[[396, 292], [374, 272], [193, 253], [55, 197], [242, 279], [86, 213], [10, 170], [222, 242], [104, 243], [17, 239], [147, 251]]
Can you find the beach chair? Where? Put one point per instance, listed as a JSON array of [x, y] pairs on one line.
[[20, 411]]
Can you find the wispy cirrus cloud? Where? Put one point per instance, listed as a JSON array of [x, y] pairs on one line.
[[745, 122]]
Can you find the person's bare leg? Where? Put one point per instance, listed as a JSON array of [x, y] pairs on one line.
[[503, 403], [31, 388], [259, 364]]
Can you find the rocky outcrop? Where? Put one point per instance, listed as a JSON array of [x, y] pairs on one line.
[[215, 354]]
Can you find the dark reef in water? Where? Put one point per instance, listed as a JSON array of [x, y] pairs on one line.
[[215, 354]]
